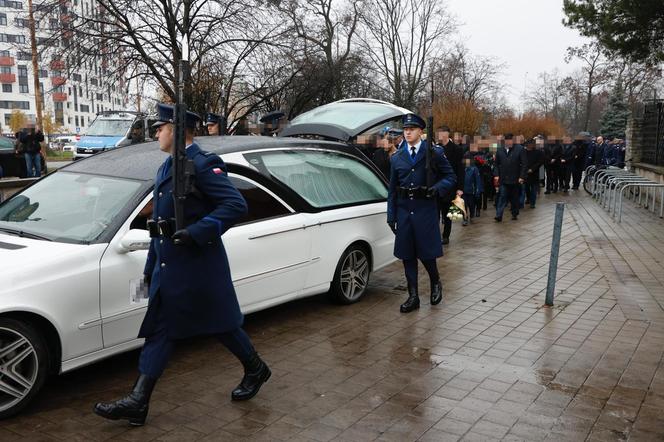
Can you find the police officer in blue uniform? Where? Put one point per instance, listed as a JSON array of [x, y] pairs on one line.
[[412, 210], [213, 123], [190, 288]]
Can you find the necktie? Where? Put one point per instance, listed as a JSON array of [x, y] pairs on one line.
[[412, 152]]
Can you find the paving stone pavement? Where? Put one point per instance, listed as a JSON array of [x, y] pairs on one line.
[[490, 363]]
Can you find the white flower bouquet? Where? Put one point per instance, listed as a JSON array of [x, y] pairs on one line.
[[457, 210]]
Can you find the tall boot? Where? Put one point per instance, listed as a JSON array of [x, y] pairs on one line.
[[436, 292], [256, 373], [413, 301], [133, 407]]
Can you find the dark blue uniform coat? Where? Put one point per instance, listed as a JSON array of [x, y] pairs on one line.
[[418, 228], [192, 284]]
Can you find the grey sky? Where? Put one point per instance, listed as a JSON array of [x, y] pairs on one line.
[[526, 35]]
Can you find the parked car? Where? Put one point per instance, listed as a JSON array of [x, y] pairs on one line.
[[316, 224], [65, 143], [13, 164]]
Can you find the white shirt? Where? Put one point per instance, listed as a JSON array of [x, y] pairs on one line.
[[417, 148]]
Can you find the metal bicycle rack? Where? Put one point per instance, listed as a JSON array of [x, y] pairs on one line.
[[610, 185], [641, 185]]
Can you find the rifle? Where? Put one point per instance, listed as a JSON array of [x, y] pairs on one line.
[[430, 143], [183, 168]]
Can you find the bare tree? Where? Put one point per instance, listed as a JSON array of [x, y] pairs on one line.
[[402, 38], [326, 30], [460, 75], [594, 66]]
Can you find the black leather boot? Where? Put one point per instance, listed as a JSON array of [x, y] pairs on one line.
[[133, 407], [256, 373], [413, 301], [436, 292]]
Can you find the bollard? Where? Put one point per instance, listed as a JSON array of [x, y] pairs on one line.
[[555, 249]]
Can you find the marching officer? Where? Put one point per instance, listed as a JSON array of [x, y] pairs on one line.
[[412, 211], [187, 272], [213, 123]]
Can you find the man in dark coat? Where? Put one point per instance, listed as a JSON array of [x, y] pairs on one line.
[[535, 160], [596, 153], [31, 140], [190, 288], [412, 212], [581, 143], [454, 154], [552, 153], [511, 168], [567, 157], [390, 139]]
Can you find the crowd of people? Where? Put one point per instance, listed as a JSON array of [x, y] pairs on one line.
[[504, 169]]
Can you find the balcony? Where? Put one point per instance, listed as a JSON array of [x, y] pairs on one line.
[[57, 65], [6, 61], [58, 81], [59, 96], [7, 78]]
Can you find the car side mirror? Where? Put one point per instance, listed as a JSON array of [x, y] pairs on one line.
[[134, 239]]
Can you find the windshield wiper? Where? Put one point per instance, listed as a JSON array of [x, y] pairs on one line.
[[24, 234]]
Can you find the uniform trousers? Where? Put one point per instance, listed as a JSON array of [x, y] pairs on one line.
[[410, 267], [158, 347]]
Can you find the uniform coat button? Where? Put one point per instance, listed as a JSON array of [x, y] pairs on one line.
[[412, 213], [163, 264], [161, 241], [160, 194], [159, 218]]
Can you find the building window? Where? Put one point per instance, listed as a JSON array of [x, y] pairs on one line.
[[4, 53], [21, 22], [5, 70], [23, 56], [23, 88], [76, 120], [22, 71], [14, 105], [77, 77], [85, 108], [6, 88], [3, 19], [43, 73]]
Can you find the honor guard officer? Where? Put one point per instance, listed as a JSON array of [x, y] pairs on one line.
[[412, 211], [213, 123], [190, 288]]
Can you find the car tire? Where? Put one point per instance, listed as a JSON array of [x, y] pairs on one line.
[[351, 277], [24, 365]]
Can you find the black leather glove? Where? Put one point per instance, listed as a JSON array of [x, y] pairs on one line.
[[182, 238], [393, 227], [146, 280], [432, 192]]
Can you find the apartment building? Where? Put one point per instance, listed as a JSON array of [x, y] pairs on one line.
[[72, 90]]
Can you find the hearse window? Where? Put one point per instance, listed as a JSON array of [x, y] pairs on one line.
[[261, 204], [323, 178]]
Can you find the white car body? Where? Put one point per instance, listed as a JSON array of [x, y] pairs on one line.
[[84, 290]]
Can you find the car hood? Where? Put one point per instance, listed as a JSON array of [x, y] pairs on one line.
[[343, 120], [25, 260]]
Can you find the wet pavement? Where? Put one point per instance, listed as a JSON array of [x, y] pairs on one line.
[[490, 363]]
